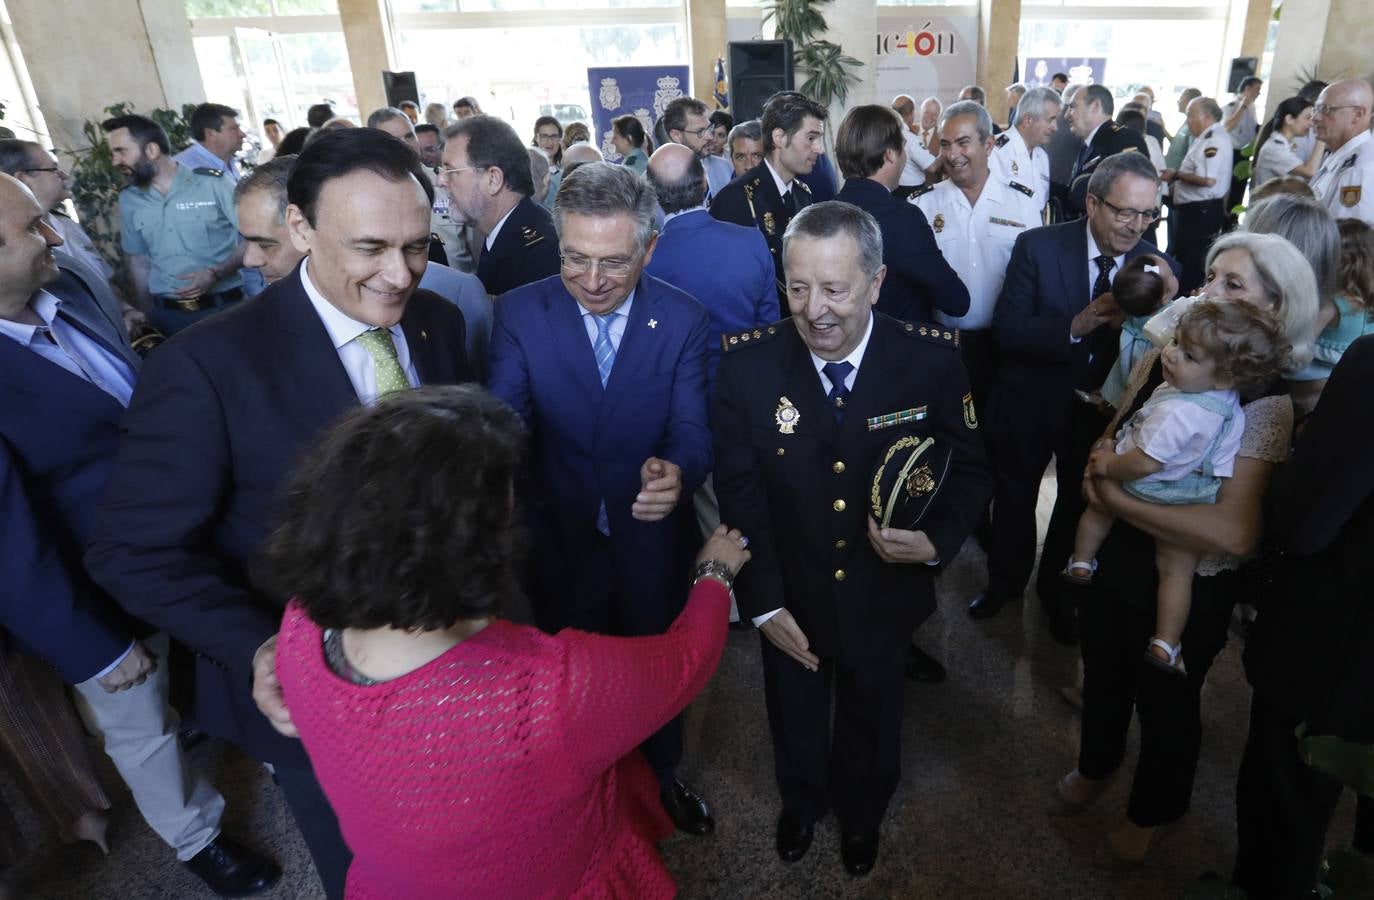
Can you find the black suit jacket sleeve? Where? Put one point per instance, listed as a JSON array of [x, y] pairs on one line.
[[1019, 324], [1330, 475], [968, 487], [922, 264], [153, 543], [730, 205], [40, 603], [743, 498]]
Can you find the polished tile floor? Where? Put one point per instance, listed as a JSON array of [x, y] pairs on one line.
[[980, 754]]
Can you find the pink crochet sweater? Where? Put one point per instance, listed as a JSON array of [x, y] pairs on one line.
[[506, 767]]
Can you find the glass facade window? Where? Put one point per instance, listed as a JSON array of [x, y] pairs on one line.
[[219, 9]]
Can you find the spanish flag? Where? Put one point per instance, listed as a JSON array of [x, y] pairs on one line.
[[722, 87]]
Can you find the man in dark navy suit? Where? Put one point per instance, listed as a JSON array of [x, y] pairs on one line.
[[1090, 118], [770, 194], [222, 412], [872, 153], [1055, 335], [68, 373], [804, 411], [486, 172], [723, 266], [607, 366]]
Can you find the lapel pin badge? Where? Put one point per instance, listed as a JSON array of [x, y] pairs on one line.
[[653, 323]]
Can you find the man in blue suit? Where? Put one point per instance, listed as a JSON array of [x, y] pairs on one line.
[[68, 373], [1055, 333], [872, 153], [222, 411], [726, 267], [607, 366]]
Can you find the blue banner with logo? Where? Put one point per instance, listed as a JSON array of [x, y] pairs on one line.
[[639, 91], [1080, 69]]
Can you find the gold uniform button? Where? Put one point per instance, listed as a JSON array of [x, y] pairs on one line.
[[840, 545], [839, 506], [839, 574], [838, 468]]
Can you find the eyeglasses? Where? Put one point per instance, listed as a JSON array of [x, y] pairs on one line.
[[577, 264], [700, 132], [1326, 110], [57, 169], [1126, 215], [548, 135], [445, 173]]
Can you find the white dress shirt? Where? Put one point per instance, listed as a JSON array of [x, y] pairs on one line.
[[1276, 158], [1345, 182], [343, 332], [918, 159], [976, 240], [783, 186], [855, 359], [1012, 160], [1209, 156], [621, 319], [496, 229]]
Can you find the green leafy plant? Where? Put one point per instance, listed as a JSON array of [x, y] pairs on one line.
[[97, 183], [829, 72]]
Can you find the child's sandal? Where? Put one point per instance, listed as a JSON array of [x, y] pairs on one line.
[[1084, 573], [1174, 664]]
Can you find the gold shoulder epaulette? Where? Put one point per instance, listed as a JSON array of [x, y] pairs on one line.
[[1018, 186], [531, 236], [748, 338], [935, 333]]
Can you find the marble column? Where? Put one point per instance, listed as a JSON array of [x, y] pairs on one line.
[[371, 51], [999, 38], [706, 38]]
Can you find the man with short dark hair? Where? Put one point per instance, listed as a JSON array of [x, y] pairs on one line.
[[486, 172], [1052, 327], [429, 143], [803, 415], [1059, 81], [318, 114], [607, 367], [1090, 117], [745, 143], [222, 411], [770, 194], [975, 93], [685, 122], [411, 109], [217, 138], [177, 227], [393, 122], [466, 108], [721, 123]]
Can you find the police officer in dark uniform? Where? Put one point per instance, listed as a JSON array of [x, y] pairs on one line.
[[486, 171], [805, 410], [1090, 117], [767, 196]]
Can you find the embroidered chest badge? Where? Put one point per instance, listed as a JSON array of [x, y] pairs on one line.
[[938, 224], [786, 416], [1350, 196]]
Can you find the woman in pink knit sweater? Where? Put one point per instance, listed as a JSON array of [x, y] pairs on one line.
[[467, 756]]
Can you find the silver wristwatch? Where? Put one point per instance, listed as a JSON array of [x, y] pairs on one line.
[[714, 568]]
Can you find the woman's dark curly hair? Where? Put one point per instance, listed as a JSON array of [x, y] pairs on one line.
[[403, 516]]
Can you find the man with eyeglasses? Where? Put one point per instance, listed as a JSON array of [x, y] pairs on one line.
[[1056, 335], [1201, 184], [486, 172], [38, 170], [607, 367], [1345, 181], [686, 122]]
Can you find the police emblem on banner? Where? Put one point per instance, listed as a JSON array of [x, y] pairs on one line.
[[610, 94], [669, 89]]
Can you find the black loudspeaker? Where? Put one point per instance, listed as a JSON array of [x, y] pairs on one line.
[[1242, 67], [400, 86], [758, 70]]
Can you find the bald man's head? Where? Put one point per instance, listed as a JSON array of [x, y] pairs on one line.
[[1342, 111], [678, 178], [581, 153]]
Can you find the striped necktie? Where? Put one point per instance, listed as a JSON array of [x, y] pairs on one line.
[[604, 348]]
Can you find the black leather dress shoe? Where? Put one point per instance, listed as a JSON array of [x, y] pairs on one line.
[[794, 838], [987, 604], [1063, 623], [859, 850], [232, 870], [921, 666], [687, 810]]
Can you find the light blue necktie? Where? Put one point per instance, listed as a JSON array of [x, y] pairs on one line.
[[603, 348], [605, 359]]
